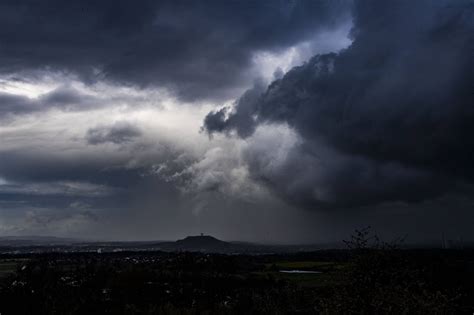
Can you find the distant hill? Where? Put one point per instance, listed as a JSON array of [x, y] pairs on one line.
[[201, 243], [30, 240]]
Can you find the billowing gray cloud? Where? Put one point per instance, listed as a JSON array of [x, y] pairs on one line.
[[200, 49], [15, 104], [117, 133], [64, 98], [387, 119], [243, 120]]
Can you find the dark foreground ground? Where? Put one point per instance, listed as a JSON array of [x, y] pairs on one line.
[[361, 280]]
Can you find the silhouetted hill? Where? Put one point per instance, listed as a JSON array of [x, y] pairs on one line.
[[201, 243]]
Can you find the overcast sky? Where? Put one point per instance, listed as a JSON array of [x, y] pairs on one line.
[[281, 121]]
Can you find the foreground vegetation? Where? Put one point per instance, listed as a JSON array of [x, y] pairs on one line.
[[368, 278]]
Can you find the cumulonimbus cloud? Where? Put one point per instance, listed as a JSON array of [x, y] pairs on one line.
[[198, 49], [387, 119]]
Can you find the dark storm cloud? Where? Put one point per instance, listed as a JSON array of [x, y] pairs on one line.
[[387, 119], [32, 165], [16, 104], [51, 181], [201, 49], [118, 133], [65, 98], [242, 120]]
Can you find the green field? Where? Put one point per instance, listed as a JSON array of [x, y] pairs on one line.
[[8, 266]]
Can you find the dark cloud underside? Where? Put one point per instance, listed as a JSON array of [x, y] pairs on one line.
[[387, 119], [200, 49], [64, 98]]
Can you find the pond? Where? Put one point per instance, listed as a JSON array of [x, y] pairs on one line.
[[299, 271]]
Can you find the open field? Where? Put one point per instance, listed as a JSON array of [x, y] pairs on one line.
[[190, 283], [7, 267]]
